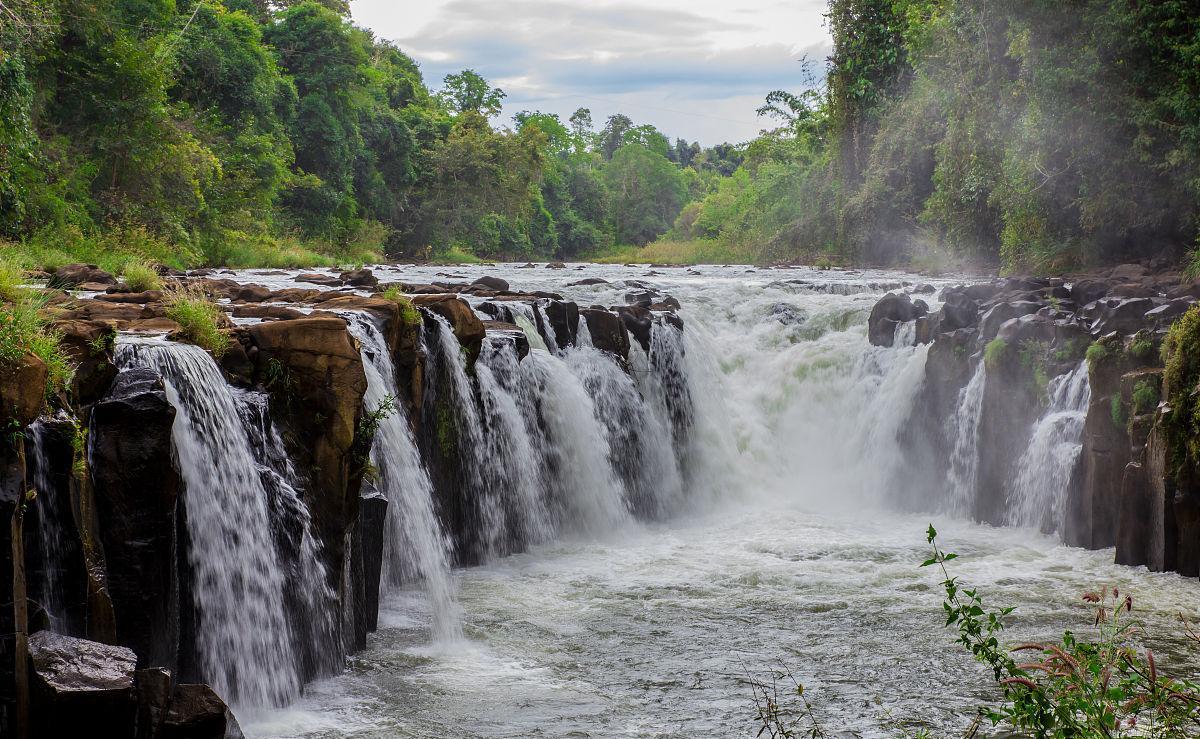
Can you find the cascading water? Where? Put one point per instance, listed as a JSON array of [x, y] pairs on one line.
[[416, 548], [964, 460], [245, 640], [514, 439], [639, 442], [788, 432], [50, 518], [1038, 493]]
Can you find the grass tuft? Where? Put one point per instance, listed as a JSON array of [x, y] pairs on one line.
[[141, 276], [409, 315], [199, 321], [23, 332], [11, 279]]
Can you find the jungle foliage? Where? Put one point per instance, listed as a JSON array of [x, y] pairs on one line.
[[242, 132], [1021, 134]]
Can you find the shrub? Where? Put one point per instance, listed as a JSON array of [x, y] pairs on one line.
[[1145, 397], [140, 276], [11, 279], [1116, 409], [1181, 359], [1076, 687], [22, 332], [993, 353], [1142, 347], [1096, 353], [409, 315], [199, 321]]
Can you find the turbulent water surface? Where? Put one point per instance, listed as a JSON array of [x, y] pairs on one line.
[[782, 549]]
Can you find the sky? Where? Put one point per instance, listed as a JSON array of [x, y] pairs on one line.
[[696, 69]]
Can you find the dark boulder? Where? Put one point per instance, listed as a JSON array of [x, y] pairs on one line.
[[563, 318], [588, 281], [607, 331], [1128, 272], [196, 712], [788, 315], [1122, 315], [1087, 290], [958, 311], [73, 275], [639, 322], [81, 688], [316, 278], [492, 283], [556, 265], [359, 278], [891, 311], [250, 294], [136, 488]]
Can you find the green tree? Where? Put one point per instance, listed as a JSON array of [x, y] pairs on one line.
[[467, 91]]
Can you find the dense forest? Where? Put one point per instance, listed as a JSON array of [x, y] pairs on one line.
[[249, 132], [1017, 133]]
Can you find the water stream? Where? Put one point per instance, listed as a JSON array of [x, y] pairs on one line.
[[246, 629], [650, 538]]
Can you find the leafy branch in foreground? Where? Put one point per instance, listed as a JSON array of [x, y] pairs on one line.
[[1074, 688]]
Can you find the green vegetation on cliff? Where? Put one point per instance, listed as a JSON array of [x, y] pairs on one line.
[[1025, 134]]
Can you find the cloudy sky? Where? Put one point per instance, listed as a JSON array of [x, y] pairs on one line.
[[697, 69]]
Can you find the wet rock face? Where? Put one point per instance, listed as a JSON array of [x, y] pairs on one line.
[[608, 332], [81, 688], [137, 488], [315, 374], [891, 311], [23, 390]]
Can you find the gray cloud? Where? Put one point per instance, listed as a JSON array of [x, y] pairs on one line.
[[560, 54]]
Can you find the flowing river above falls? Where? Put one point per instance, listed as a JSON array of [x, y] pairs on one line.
[[788, 550]]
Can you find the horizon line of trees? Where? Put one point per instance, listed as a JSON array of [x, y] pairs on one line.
[[206, 124]]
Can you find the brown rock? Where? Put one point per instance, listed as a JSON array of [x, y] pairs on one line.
[[321, 402], [23, 390], [273, 312], [468, 329], [89, 344], [71, 275]]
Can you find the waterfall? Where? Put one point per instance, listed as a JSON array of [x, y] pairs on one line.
[[415, 546], [244, 636], [639, 441], [1038, 493], [514, 439], [964, 460], [584, 484], [317, 633], [52, 539]]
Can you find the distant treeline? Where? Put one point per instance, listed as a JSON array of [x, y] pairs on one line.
[[1024, 133], [229, 130]]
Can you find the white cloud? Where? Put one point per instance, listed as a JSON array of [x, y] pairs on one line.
[[697, 69]]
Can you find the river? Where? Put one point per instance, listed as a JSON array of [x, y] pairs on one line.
[[791, 551]]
